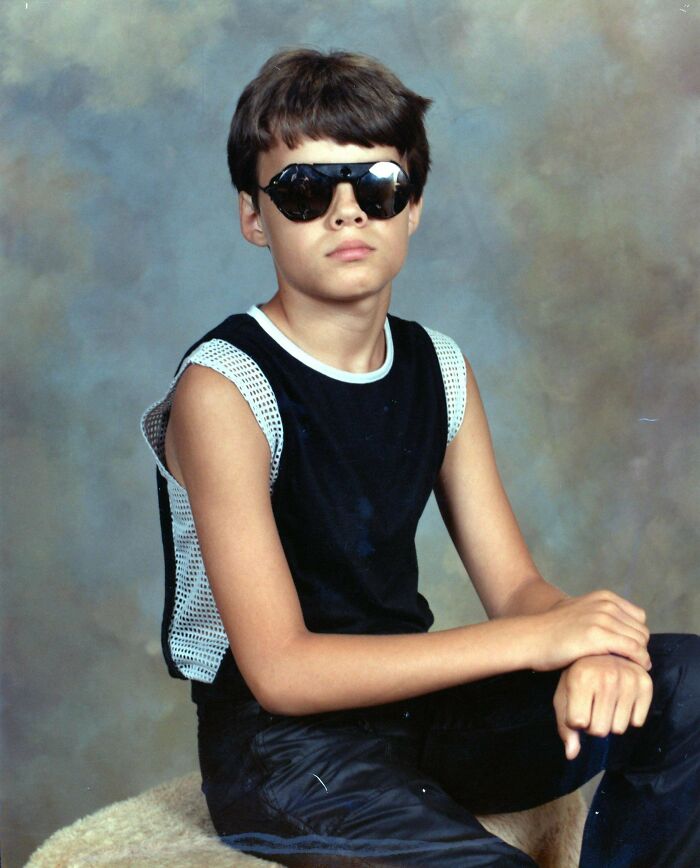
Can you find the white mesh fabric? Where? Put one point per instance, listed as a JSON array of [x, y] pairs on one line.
[[454, 378], [196, 634]]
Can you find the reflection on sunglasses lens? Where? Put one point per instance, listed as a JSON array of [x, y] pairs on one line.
[[303, 194]]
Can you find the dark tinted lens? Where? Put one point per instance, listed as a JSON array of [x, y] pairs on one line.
[[301, 193], [383, 191]]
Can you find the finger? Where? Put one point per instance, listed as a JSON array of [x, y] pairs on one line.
[[626, 646], [642, 703], [623, 713], [603, 710], [572, 746], [617, 620], [569, 736], [639, 647], [570, 739], [579, 704], [636, 627], [630, 608]]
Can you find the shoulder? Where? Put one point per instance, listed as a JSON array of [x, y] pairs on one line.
[[219, 382], [224, 363], [455, 372], [221, 394], [213, 425], [446, 347], [227, 332]]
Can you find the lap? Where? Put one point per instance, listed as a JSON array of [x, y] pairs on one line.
[[333, 785], [401, 783]]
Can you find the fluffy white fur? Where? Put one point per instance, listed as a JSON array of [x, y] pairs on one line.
[[169, 825]]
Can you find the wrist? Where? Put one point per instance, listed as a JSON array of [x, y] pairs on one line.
[[533, 597], [527, 644]]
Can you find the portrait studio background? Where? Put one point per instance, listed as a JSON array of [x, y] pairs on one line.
[[558, 246]]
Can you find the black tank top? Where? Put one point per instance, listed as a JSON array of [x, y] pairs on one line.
[[354, 458]]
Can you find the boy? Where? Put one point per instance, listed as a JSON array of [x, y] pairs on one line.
[[296, 449]]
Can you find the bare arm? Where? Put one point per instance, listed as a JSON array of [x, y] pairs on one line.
[[483, 527], [215, 448], [478, 515]]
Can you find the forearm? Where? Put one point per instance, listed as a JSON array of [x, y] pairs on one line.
[[325, 671], [531, 598]]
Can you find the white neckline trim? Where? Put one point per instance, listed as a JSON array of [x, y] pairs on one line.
[[337, 373]]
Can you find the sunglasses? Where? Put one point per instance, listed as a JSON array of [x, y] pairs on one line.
[[304, 191]]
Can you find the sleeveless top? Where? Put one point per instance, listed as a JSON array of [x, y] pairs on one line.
[[354, 458]]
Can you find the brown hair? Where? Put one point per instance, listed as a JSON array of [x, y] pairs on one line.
[[350, 98]]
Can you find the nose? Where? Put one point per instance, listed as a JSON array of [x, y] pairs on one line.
[[344, 208]]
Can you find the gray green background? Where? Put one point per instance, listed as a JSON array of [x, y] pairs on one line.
[[559, 247]]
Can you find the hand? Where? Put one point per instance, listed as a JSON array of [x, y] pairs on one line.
[[600, 622], [600, 694]]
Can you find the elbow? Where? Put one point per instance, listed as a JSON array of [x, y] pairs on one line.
[[267, 701], [278, 701], [277, 689], [272, 697]]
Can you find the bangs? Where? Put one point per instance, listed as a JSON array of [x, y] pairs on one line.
[[316, 110]]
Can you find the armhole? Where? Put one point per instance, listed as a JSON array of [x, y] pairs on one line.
[[454, 378], [237, 366]]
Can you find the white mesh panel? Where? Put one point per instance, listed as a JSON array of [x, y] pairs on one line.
[[454, 378], [196, 635]]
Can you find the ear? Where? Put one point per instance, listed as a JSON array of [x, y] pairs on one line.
[[415, 209], [252, 227]]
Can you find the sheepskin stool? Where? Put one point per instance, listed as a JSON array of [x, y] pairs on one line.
[[168, 826]]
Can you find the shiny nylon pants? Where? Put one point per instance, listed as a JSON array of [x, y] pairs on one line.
[[399, 784]]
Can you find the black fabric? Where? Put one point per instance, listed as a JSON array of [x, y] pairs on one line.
[[166, 524], [401, 784], [358, 465]]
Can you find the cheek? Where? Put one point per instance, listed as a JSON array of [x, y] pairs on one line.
[[399, 247], [287, 248], [299, 246]]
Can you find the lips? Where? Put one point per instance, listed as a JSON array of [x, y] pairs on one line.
[[349, 250]]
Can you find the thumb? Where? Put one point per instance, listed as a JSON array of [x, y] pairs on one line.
[[572, 744], [568, 735]]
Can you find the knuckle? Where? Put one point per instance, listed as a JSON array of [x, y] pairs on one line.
[[628, 680], [605, 619], [645, 683], [594, 632], [610, 678], [577, 677]]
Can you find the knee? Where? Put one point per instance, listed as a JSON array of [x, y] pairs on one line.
[[674, 649], [676, 659]]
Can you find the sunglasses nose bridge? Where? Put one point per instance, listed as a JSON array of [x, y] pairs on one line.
[[344, 204]]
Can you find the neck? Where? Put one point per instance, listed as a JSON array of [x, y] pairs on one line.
[[349, 336]]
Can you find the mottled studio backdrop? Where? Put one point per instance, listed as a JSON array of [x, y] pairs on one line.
[[559, 247]]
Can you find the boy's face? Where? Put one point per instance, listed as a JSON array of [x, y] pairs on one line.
[[306, 254]]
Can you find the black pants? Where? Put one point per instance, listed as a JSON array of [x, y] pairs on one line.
[[399, 784]]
